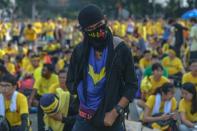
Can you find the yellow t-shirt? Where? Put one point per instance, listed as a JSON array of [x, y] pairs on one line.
[[43, 85], [151, 103], [60, 64], [143, 63], [38, 27], [10, 51], [2, 53], [37, 73], [189, 78], [149, 85], [26, 64], [173, 66], [15, 31], [30, 34], [50, 29], [185, 106], [14, 118], [11, 68]]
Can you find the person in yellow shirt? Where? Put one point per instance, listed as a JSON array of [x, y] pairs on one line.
[[150, 84], [42, 86], [15, 33], [192, 75], [9, 50], [50, 28], [145, 61], [30, 36], [188, 108], [38, 27], [59, 110], [15, 107], [160, 108], [173, 63], [174, 66], [9, 64]]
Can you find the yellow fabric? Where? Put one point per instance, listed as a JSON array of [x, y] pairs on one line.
[[15, 31], [11, 68], [38, 27], [64, 99], [149, 27], [122, 30], [43, 85], [30, 34], [156, 126], [143, 63], [173, 66], [165, 48], [49, 29], [149, 85], [14, 118], [151, 103], [26, 64], [96, 77], [185, 106], [37, 73], [60, 64], [10, 51], [189, 78], [2, 53]]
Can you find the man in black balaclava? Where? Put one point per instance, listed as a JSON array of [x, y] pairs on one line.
[[101, 73]]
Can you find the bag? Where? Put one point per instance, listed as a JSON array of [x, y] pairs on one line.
[[169, 125]]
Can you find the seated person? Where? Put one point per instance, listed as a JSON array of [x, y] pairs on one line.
[[160, 108], [174, 66], [145, 61], [192, 75], [188, 108], [150, 84], [59, 110], [15, 107], [148, 71]]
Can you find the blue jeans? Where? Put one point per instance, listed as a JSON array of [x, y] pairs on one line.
[[82, 125]]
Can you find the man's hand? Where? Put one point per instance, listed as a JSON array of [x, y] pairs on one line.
[[110, 117]]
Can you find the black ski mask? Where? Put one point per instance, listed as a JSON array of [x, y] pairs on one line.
[[91, 20]]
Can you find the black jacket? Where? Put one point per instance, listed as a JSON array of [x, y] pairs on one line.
[[120, 73]]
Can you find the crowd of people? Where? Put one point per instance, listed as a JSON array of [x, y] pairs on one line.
[[43, 66]]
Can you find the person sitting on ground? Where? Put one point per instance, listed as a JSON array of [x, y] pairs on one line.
[[59, 112], [188, 108], [192, 75], [160, 108], [174, 66], [145, 61], [148, 71], [14, 104], [150, 84]]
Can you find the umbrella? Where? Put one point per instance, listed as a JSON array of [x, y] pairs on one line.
[[190, 14]]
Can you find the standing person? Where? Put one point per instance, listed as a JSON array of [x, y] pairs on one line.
[[193, 36], [102, 73], [179, 39]]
